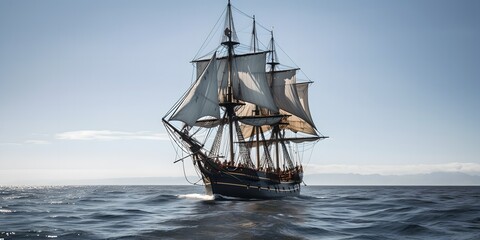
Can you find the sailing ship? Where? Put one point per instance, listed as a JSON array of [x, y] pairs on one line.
[[243, 119]]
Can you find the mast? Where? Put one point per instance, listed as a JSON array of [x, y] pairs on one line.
[[229, 104], [257, 109], [273, 54], [276, 129], [254, 36]]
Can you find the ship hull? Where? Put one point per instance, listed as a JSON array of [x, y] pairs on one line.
[[245, 183]]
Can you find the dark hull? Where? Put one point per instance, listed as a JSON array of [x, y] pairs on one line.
[[245, 183]]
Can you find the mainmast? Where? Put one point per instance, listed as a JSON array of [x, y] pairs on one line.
[[230, 44], [276, 129], [273, 54]]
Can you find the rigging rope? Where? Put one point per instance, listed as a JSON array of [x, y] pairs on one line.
[[246, 15], [210, 35], [293, 62], [185, 175]]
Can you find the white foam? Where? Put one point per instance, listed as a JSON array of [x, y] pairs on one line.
[[197, 196]]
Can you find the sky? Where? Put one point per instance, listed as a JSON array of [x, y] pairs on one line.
[[84, 84]]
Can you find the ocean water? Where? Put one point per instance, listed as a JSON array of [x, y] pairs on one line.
[[184, 212]]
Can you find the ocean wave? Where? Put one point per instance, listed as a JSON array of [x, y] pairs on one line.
[[197, 196], [183, 212], [3, 210]]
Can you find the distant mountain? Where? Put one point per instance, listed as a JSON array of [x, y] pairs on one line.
[[438, 178]]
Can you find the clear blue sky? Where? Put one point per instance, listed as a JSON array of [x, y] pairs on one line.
[[84, 84]]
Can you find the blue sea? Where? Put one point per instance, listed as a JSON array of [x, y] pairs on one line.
[[184, 212]]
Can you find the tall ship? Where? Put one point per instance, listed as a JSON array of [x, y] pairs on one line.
[[245, 120]]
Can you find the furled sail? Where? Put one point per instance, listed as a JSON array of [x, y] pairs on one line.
[[294, 140], [249, 80], [252, 115], [260, 120], [250, 118], [286, 97], [202, 98]]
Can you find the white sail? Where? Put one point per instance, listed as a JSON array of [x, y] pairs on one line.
[[295, 123], [286, 96], [201, 65], [222, 75], [249, 79], [202, 98], [302, 91]]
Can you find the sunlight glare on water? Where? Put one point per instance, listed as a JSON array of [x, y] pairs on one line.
[[197, 196]]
